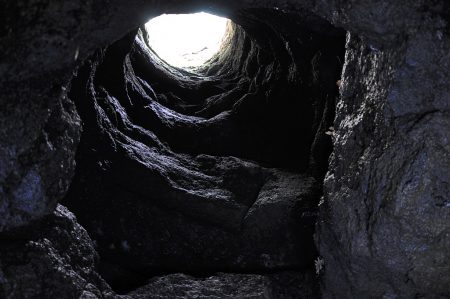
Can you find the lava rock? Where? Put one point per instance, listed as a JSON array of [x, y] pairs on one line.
[[157, 184], [384, 229], [229, 285], [383, 225], [55, 259], [29, 188]]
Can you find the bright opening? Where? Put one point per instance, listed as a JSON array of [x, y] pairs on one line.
[[186, 40]]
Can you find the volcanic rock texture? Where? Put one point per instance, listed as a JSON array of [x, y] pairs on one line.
[[176, 170], [224, 173]]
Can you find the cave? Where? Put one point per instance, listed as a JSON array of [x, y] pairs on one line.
[[212, 169], [306, 157]]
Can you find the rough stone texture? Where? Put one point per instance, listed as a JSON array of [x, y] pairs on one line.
[[225, 285], [41, 43], [156, 184], [55, 259], [384, 225], [32, 190]]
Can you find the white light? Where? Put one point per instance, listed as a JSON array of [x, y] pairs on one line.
[[186, 40]]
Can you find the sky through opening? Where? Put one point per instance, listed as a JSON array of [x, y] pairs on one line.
[[186, 40]]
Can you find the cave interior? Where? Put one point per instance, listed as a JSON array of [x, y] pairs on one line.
[[177, 169], [308, 158]]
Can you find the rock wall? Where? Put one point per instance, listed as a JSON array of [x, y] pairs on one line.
[[383, 225], [174, 189]]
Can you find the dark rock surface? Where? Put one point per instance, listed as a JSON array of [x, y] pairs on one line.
[[383, 228], [163, 182], [41, 44], [31, 190], [225, 285], [55, 259]]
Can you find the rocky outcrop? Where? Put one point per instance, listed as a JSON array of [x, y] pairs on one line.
[[32, 190], [55, 259], [223, 285]]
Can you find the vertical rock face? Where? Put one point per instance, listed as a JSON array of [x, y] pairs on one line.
[[384, 228], [383, 225], [29, 187], [39, 128]]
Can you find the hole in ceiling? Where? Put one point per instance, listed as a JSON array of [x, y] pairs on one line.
[[186, 40], [202, 150]]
